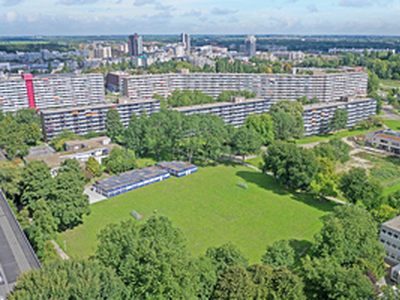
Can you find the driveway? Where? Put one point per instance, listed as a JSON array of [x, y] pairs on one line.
[[93, 196]]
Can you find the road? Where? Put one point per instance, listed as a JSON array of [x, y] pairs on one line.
[[389, 114]]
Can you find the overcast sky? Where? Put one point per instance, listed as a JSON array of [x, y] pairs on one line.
[[100, 17]]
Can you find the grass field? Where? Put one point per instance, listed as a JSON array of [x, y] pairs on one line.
[[391, 83], [393, 124], [211, 210], [257, 162], [340, 134]]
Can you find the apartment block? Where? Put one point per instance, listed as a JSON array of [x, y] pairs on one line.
[[83, 119], [13, 95], [233, 112], [389, 237], [51, 91], [327, 87], [317, 116]]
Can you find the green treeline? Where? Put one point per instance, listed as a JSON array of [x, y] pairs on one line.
[[150, 260]]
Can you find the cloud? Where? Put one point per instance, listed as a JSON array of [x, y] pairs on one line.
[[355, 3], [160, 6], [11, 16], [77, 2], [192, 13], [222, 11], [11, 2], [311, 8], [143, 2]]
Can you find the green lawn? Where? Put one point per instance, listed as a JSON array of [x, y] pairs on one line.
[[257, 162], [393, 124], [211, 210], [340, 134], [391, 83]]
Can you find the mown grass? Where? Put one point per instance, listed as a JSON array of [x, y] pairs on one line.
[[211, 209], [340, 134], [393, 124]]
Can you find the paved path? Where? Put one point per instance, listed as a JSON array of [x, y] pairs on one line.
[[270, 174], [389, 114], [93, 196], [60, 251]]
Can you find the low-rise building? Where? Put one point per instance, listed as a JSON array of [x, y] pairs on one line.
[[233, 112], [83, 119], [177, 168], [128, 181], [388, 140]]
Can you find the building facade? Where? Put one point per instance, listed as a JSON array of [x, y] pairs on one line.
[[250, 44], [389, 237], [318, 116], [327, 87], [83, 119], [135, 45], [51, 91], [233, 112], [388, 140], [185, 39], [115, 82]]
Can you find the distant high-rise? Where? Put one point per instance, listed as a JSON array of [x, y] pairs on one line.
[[250, 44], [185, 38], [135, 45]]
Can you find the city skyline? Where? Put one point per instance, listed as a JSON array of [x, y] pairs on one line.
[[101, 17]]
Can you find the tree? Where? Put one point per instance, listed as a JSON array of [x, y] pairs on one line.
[[235, 283], [294, 166], [206, 277], [120, 160], [226, 256], [384, 213], [10, 179], [43, 219], [352, 184], [93, 166], [246, 141], [349, 237], [326, 279], [279, 254], [150, 258], [288, 119], [49, 67], [70, 279], [373, 82], [32, 133], [114, 126], [37, 183], [133, 135], [339, 120], [263, 125], [67, 201]]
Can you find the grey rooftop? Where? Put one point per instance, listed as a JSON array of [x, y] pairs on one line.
[[393, 223], [129, 177], [175, 165], [16, 254]]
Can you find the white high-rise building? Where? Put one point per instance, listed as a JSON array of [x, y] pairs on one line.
[[250, 44]]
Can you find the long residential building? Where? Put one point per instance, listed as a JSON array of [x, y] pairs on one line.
[[83, 119], [327, 87], [233, 112], [16, 254], [51, 91], [317, 116]]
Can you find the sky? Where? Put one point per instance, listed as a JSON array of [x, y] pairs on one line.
[[104, 17]]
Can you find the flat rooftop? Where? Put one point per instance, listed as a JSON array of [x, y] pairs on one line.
[[216, 104], [176, 165], [89, 107], [336, 103], [16, 254], [129, 177], [393, 223]]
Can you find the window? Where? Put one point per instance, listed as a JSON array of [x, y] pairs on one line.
[[390, 233], [383, 230], [382, 241]]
